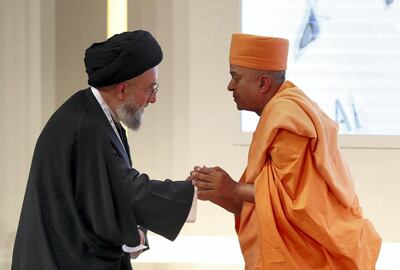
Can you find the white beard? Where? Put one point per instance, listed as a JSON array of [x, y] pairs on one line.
[[130, 114]]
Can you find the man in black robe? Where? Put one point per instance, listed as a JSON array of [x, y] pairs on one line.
[[85, 207]]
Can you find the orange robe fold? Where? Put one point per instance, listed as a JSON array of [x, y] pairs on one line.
[[306, 213]]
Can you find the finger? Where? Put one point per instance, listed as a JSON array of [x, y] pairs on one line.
[[204, 177], [206, 170], [196, 168], [203, 185], [219, 169], [192, 176]]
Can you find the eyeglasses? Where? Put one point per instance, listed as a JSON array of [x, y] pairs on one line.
[[151, 90]]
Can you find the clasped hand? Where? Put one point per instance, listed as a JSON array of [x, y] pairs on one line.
[[212, 183]]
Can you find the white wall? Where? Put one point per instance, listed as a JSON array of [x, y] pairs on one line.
[[193, 122], [26, 99], [39, 49], [194, 117]]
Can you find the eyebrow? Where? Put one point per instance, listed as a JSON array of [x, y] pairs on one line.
[[233, 73], [150, 84]]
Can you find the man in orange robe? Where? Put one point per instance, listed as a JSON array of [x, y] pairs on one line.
[[295, 205]]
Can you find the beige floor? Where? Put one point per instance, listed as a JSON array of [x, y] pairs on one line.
[[221, 253], [186, 266]]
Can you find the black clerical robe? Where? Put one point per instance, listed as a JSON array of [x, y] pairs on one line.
[[83, 199]]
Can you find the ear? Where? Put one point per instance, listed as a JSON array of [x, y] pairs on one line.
[[121, 90], [265, 82]]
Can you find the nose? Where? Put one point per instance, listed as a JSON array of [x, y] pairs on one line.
[[231, 85], [153, 98]]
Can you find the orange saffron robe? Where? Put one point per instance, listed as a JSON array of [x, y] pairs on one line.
[[306, 213]]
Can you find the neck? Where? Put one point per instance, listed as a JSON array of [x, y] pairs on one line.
[[109, 98]]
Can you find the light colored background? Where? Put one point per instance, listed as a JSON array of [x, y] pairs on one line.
[[353, 65], [42, 43]]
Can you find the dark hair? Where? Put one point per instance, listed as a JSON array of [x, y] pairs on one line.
[[277, 77]]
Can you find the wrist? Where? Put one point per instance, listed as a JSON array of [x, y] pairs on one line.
[[232, 191]]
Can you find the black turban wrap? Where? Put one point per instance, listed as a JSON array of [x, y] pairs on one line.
[[121, 57]]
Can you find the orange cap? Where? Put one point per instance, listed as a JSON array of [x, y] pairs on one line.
[[258, 52]]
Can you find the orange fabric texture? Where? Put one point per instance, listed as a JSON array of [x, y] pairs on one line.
[[257, 52], [306, 213]]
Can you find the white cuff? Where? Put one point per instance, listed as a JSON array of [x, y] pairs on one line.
[[193, 210], [140, 247], [133, 249]]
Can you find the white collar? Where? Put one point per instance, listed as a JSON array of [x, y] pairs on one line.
[[107, 111]]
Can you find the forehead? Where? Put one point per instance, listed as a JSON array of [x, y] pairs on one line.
[[240, 71], [234, 68]]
